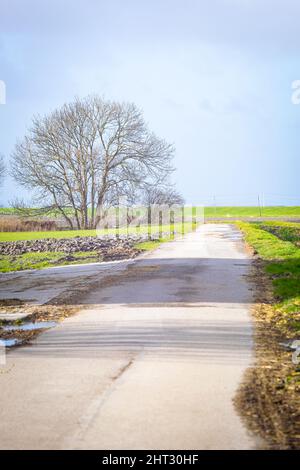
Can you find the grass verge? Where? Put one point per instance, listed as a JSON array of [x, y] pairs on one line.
[[269, 398], [281, 260], [152, 244], [45, 260]]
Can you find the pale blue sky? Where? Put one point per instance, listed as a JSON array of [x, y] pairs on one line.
[[213, 77]]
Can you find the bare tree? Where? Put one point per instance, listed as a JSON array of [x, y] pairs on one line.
[[2, 169], [84, 153], [153, 195], [31, 209]]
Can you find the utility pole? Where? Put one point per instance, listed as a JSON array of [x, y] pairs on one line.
[[215, 205], [259, 205]]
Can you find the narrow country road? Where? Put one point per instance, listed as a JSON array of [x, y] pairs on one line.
[[154, 362]]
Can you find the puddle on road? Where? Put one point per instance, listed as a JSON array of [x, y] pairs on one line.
[[10, 342], [30, 326], [233, 236]]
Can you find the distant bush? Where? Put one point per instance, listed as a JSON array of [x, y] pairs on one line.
[[16, 224]]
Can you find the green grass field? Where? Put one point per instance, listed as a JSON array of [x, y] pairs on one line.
[[55, 258], [209, 212], [45, 260], [278, 245], [284, 230], [222, 211], [15, 236], [245, 211]]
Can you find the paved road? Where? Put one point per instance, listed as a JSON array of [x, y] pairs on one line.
[[36, 287], [154, 362]]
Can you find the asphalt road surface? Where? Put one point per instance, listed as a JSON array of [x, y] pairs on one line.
[[154, 362]]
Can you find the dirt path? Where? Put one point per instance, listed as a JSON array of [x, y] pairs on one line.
[[154, 362]]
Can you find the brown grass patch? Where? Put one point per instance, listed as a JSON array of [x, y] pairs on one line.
[[18, 224]]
